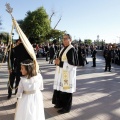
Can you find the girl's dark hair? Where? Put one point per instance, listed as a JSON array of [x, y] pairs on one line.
[[29, 67]]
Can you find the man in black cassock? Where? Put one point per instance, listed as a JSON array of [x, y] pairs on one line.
[[65, 77]]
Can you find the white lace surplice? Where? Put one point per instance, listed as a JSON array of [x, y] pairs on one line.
[[30, 106]]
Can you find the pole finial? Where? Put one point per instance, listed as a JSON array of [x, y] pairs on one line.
[[8, 8]]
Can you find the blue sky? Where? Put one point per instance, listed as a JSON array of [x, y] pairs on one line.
[[84, 19]]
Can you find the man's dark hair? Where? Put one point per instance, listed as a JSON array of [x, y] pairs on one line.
[[70, 37]]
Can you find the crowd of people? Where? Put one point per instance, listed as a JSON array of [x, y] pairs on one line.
[[50, 51], [2, 52], [29, 82], [112, 55]]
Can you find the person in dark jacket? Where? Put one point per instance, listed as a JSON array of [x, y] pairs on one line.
[[51, 53], [81, 55], [47, 51], [108, 55], [94, 52]]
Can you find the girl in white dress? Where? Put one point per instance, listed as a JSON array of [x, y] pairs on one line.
[[30, 100]]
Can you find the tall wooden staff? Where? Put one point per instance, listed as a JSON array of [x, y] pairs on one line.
[[9, 10], [10, 42]]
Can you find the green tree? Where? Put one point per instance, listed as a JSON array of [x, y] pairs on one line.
[[36, 25], [4, 36], [88, 41], [55, 35]]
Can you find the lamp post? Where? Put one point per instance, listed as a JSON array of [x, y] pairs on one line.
[[102, 44], [94, 42]]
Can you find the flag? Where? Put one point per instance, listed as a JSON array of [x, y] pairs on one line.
[[26, 43]]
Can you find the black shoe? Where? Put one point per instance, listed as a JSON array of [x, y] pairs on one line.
[[93, 66], [56, 106], [62, 111], [15, 92], [15, 103], [9, 96], [105, 70], [109, 70], [87, 63]]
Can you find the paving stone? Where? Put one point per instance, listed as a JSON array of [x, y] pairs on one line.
[[97, 96]]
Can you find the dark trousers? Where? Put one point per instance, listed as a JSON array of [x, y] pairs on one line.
[[47, 56], [14, 77], [86, 60], [56, 98], [11, 82], [94, 62], [116, 60], [18, 74], [107, 64], [51, 59], [62, 99]]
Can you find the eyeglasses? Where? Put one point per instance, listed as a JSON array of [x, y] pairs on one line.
[[65, 38]]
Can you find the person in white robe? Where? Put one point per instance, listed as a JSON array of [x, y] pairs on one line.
[[65, 76], [30, 99]]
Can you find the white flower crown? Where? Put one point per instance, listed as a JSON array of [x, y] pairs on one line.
[[26, 64]]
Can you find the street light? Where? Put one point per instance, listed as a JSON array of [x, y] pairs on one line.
[[102, 44]]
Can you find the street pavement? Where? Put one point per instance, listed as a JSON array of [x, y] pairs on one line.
[[97, 96]]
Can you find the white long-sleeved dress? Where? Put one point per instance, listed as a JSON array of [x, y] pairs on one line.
[[30, 103]]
